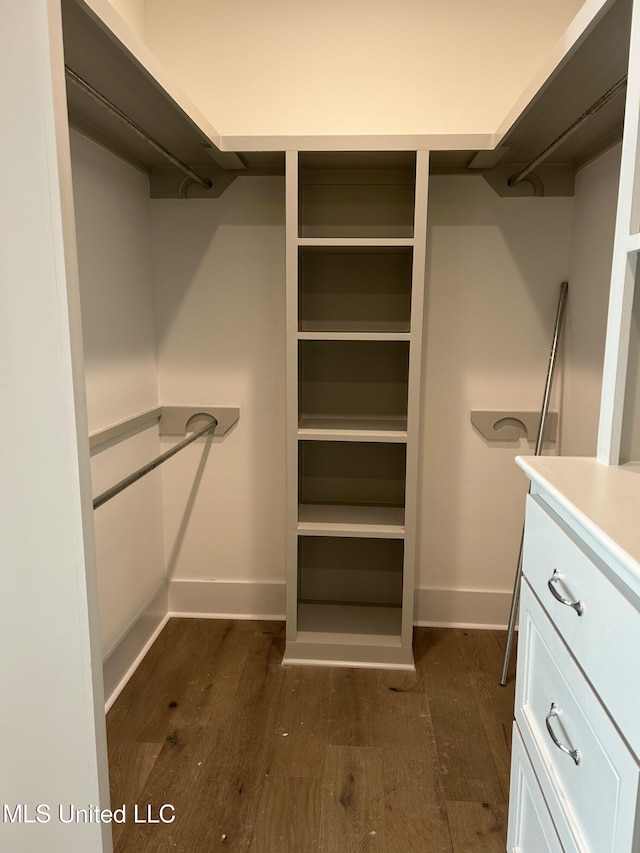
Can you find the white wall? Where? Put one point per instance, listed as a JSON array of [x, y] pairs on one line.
[[362, 67], [114, 255], [133, 13], [494, 268], [219, 284], [594, 213], [53, 731]]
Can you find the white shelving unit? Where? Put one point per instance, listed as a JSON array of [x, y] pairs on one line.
[[356, 234]]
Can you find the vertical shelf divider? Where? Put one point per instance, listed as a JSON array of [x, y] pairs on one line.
[[415, 372], [291, 272]]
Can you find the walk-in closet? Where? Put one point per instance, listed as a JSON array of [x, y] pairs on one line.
[[279, 294]]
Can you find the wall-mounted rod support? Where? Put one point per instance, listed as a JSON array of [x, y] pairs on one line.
[[564, 287], [593, 109], [93, 93], [132, 478]]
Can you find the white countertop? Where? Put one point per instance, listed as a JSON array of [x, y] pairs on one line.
[[603, 499]]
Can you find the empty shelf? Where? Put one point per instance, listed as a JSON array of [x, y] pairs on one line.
[[351, 194], [381, 522], [354, 335], [353, 623], [353, 429], [355, 326]]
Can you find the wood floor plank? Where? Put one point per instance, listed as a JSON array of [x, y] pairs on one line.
[[354, 718], [213, 774], [478, 827], [288, 819], [352, 819], [394, 762], [217, 670], [151, 705], [302, 727], [485, 650], [415, 809], [130, 765], [466, 761], [415, 816], [405, 719], [239, 758], [176, 779]]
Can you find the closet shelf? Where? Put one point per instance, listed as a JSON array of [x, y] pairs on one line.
[[590, 64], [375, 522], [352, 429], [355, 624], [337, 242], [116, 63], [312, 327], [96, 55], [357, 177], [354, 336]]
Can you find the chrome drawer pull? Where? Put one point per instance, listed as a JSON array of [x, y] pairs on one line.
[[574, 753], [578, 606]]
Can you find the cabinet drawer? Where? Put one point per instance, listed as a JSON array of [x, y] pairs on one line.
[[603, 629], [531, 829], [589, 777]]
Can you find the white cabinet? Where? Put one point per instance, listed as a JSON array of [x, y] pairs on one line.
[[577, 695], [531, 829], [356, 232]]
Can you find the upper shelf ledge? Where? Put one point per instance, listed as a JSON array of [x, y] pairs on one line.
[[590, 57], [587, 62], [102, 50]]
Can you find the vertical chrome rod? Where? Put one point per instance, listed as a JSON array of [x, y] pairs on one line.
[[538, 451], [146, 469]]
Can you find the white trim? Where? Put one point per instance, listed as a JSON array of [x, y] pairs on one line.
[[446, 608], [359, 142], [462, 608], [211, 599], [247, 617], [123, 428], [227, 599], [292, 661], [356, 242], [126, 654]]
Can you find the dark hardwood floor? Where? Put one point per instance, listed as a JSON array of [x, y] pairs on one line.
[[254, 756]]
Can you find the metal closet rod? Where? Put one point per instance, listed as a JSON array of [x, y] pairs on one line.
[[132, 478], [513, 614], [88, 88], [609, 95]]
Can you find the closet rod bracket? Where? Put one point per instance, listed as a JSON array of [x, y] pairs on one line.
[[175, 420], [512, 426]]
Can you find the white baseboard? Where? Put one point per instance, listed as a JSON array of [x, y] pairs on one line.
[[227, 599], [462, 608], [446, 608], [124, 657]]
